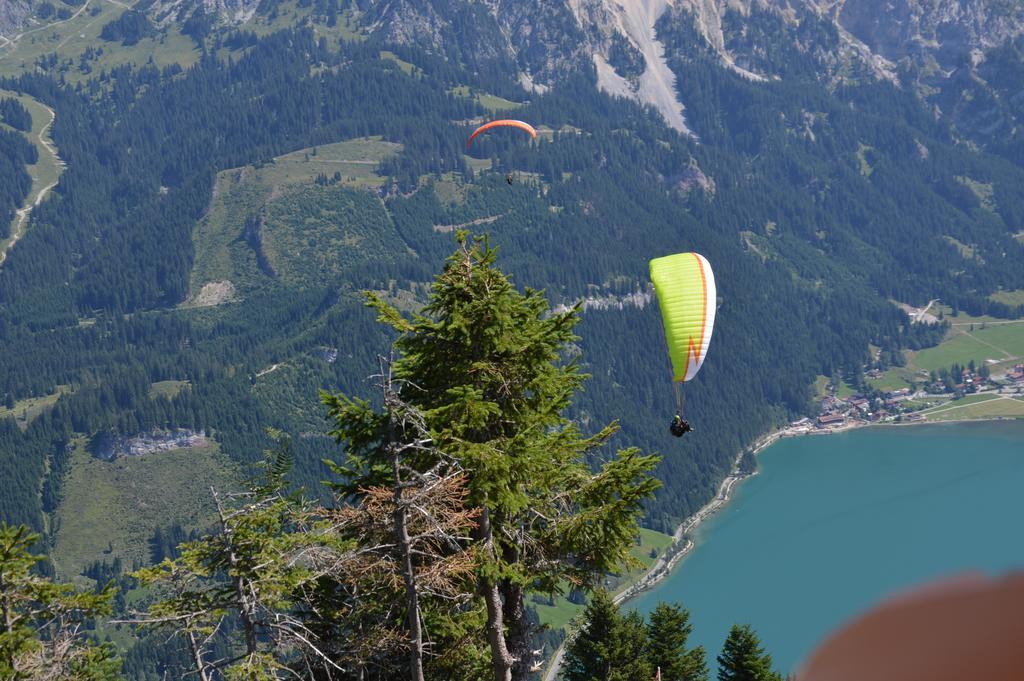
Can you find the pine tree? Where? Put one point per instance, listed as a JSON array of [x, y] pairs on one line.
[[667, 634], [609, 646], [484, 363], [43, 623], [744, 659]]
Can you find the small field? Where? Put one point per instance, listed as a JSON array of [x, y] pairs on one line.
[[1009, 297], [407, 67], [557, 613], [977, 407], [356, 160], [894, 379], [821, 388], [488, 101], [979, 339], [111, 508], [27, 410], [168, 389]]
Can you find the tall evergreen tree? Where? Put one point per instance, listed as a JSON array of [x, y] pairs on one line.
[[609, 647], [667, 633], [743, 657], [485, 365]]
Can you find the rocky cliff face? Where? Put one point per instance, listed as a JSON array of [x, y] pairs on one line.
[[619, 39], [107, 446], [944, 30], [936, 47], [13, 16], [227, 11]]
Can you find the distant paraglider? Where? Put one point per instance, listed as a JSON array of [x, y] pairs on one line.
[[505, 122], [686, 292]]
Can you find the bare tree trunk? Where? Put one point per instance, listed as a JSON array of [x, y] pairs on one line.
[[408, 574], [197, 657], [501, 659]]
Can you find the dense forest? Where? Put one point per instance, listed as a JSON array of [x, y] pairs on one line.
[[817, 207], [16, 152]]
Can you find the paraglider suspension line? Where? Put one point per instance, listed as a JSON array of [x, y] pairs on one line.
[[679, 397]]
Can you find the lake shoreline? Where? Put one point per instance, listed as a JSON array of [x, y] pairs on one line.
[[681, 546]]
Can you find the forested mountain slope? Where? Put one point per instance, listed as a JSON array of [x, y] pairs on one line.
[[817, 198]]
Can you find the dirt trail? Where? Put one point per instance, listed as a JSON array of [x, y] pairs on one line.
[[21, 222]]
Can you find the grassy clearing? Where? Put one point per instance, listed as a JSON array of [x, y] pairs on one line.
[[558, 612], [964, 319], [356, 160], [70, 39], [27, 410], [959, 348], [407, 67], [844, 390], [1003, 342], [478, 164], [1009, 297], [221, 252], [893, 379], [111, 508], [168, 389], [933, 401], [488, 101], [821, 384], [981, 407]]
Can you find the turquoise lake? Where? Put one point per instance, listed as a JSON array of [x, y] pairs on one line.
[[834, 523]]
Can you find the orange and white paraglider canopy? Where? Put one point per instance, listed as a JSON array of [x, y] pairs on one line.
[[506, 122]]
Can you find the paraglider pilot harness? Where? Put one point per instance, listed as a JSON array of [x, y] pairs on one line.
[[679, 426]]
